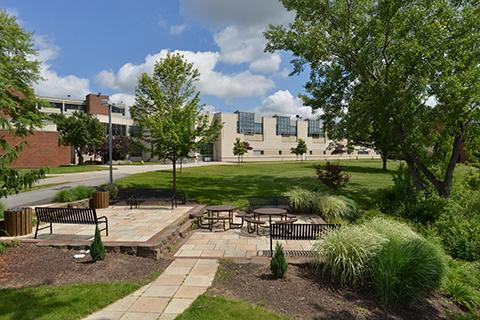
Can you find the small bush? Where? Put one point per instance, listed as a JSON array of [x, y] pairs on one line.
[[74, 194], [391, 229], [405, 270], [332, 175], [278, 264], [112, 190], [3, 247], [2, 209], [97, 249], [302, 200], [346, 253]]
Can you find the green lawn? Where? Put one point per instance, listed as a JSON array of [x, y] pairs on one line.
[[216, 308], [63, 302], [77, 168], [234, 184]]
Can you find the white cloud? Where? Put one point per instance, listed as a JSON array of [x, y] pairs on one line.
[[53, 84], [246, 45], [47, 50], [123, 98], [178, 29], [283, 102], [211, 82], [60, 86]]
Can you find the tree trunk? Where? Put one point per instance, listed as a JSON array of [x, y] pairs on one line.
[[181, 165], [384, 155], [174, 191], [80, 156], [238, 160]]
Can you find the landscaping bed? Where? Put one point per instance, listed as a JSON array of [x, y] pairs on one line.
[[302, 295], [30, 265]]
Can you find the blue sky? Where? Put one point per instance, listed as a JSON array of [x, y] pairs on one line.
[[103, 46]]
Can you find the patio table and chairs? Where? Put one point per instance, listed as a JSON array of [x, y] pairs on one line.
[[259, 213], [220, 213]]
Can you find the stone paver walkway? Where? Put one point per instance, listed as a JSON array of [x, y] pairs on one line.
[[166, 297]]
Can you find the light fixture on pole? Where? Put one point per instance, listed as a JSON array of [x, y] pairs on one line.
[[105, 102]]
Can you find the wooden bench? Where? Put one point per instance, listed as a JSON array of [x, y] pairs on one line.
[[135, 197], [299, 231], [268, 202], [68, 216]]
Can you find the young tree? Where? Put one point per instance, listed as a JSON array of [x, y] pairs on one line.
[[240, 148], [18, 114], [168, 110], [300, 149], [407, 70], [81, 131]]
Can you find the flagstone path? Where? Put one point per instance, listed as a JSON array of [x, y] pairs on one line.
[[166, 297]]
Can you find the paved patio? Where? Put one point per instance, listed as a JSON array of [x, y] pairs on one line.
[[124, 224], [235, 243]]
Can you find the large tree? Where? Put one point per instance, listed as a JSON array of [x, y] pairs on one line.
[[168, 111], [82, 131], [406, 70], [18, 114]]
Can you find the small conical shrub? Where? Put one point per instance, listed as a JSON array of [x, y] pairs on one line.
[[97, 249], [279, 264]]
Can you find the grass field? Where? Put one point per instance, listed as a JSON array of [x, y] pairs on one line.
[[234, 184], [217, 308], [60, 302]]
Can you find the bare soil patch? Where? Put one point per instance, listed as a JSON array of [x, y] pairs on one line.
[[302, 295], [30, 265]]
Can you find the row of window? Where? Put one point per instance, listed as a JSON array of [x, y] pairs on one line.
[[261, 152], [249, 123], [117, 129]]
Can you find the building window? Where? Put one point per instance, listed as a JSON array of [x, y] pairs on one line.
[[280, 152], [257, 152], [74, 107], [311, 152], [249, 123], [56, 105], [315, 129], [117, 129], [118, 110], [286, 126]]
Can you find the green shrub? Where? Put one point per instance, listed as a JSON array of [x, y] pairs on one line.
[[347, 251], [112, 190], [2, 209], [405, 201], [278, 264], [97, 249], [406, 269], [460, 236], [74, 194], [463, 284], [3, 247], [329, 207]]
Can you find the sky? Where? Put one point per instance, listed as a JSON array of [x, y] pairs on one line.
[[103, 46]]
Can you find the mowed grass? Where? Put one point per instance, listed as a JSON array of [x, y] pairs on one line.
[[234, 184], [216, 308], [63, 302]]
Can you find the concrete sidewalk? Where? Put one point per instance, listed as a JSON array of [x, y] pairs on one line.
[[166, 297]]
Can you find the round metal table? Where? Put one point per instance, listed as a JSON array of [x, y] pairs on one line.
[[270, 212], [211, 210]]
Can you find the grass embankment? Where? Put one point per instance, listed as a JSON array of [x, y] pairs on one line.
[[234, 184], [217, 308]]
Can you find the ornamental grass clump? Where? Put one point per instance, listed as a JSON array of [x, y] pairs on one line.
[[329, 207], [97, 249], [346, 253], [74, 194], [406, 269], [278, 264], [462, 284]]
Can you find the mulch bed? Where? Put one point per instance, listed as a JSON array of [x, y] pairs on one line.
[[302, 295], [30, 265]]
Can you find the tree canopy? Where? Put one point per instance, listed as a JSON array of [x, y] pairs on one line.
[[406, 71], [82, 131], [18, 113], [300, 149], [240, 148], [168, 111]]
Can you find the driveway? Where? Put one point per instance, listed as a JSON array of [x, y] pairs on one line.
[[92, 178]]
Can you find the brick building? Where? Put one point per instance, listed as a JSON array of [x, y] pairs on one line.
[[43, 149]]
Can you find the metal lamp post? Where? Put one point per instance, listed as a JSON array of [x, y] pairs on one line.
[[103, 103]]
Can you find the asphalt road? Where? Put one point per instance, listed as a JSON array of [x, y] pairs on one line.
[[93, 178]]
